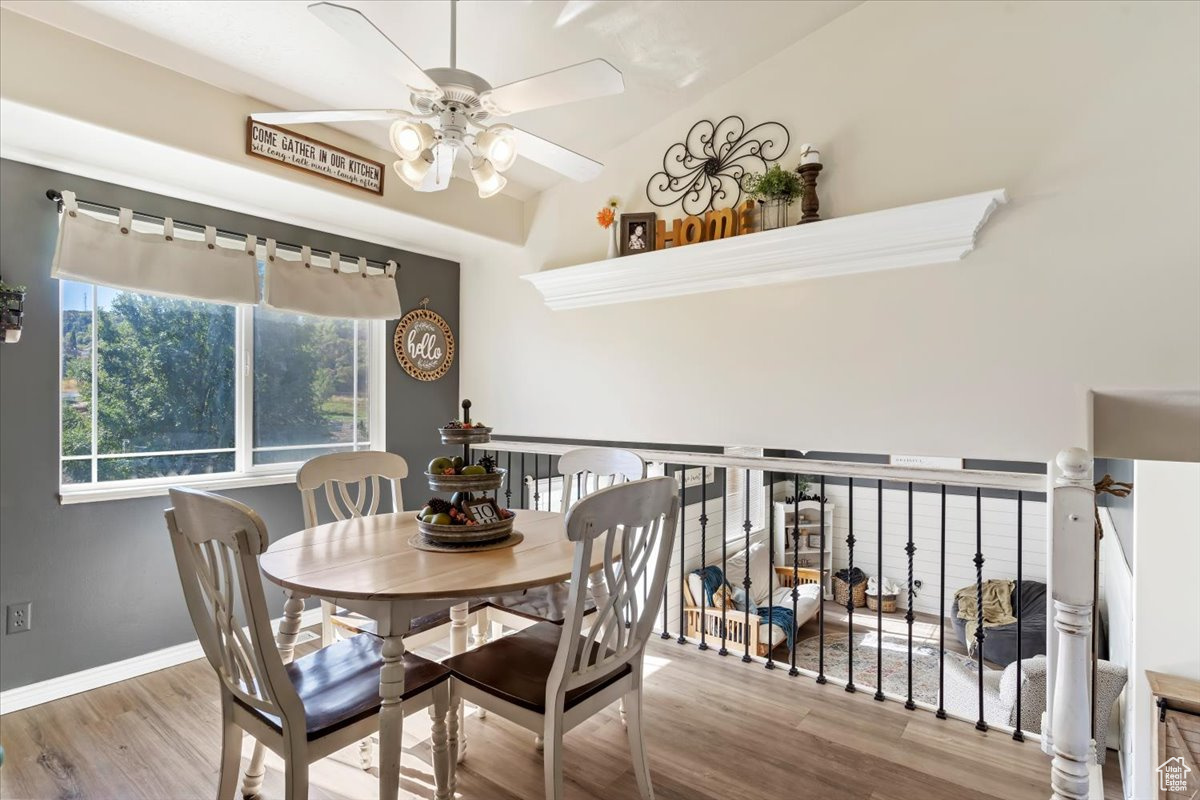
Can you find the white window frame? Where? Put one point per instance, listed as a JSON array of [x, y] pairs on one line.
[[245, 472]]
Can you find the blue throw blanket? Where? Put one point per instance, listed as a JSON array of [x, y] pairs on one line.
[[712, 578]]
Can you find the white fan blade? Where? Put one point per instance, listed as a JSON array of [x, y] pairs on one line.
[[438, 177], [595, 78], [331, 115], [362, 34], [556, 157]]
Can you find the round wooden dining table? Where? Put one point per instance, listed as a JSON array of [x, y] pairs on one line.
[[366, 564]]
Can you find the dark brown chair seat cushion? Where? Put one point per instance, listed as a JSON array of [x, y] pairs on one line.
[[541, 603], [515, 668], [339, 684], [356, 623]]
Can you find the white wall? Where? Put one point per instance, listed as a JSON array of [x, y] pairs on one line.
[[1087, 113], [1166, 604]]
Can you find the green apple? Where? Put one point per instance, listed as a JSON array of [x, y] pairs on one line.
[[439, 465], [457, 463], [473, 469], [441, 519]]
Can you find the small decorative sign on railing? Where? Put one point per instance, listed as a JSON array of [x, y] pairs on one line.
[[301, 152]]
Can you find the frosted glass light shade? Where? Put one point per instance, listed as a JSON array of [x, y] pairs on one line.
[[498, 144], [486, 177], [413, 171], [409, 139]]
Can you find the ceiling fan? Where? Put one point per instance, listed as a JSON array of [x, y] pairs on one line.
[[450, 106]]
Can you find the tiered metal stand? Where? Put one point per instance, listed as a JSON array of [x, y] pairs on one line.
[[466, 535]]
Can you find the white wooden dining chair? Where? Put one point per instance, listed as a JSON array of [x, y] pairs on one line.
[[303, 710], [550, 678], [584, 471]]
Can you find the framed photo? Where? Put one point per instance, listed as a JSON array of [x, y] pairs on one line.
[[636, 233], [482, 512]]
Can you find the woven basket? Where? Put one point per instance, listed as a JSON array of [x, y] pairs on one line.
[[889, 603], [841, 592]]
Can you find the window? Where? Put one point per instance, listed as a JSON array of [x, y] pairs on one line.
[[151, 391]]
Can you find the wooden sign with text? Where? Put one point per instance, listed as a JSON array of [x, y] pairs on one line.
[[300, 152], [714, 225]]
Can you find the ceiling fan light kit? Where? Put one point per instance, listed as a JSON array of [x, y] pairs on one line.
[[450, 106]]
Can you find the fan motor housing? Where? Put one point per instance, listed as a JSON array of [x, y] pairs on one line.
[[460, 94]]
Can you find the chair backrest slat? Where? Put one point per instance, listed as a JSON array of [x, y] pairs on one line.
[[337, 471], [593, 468], [217, 542], [633, 524]]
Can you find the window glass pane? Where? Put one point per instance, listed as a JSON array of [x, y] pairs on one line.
[[75, 387], [304, 379], [295, 455], [120, 469], [79, 471], [363, 409], [166, 381]]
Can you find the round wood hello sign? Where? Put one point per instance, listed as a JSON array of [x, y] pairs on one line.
[[424, 345]]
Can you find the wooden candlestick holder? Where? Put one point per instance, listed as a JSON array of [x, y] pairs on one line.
[[810, 204]]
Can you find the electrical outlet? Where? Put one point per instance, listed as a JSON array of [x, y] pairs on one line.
[[20, 618]]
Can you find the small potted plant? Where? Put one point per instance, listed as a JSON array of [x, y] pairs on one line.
[[12, 309], [774, 190]]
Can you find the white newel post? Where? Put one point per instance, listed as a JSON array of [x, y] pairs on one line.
[[1072, 542]]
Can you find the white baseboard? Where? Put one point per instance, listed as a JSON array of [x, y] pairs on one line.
[[85, 680]]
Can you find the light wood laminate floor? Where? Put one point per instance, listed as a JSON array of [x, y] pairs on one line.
[[717, 729]]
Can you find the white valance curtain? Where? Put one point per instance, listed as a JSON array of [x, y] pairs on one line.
[[293, 282], [157, 258]]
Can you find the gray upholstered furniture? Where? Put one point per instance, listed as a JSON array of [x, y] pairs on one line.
[[1000, 642], [1000, 694]]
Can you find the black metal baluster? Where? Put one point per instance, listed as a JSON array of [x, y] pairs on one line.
[[665, 633], [537, 497], [795, 561], [770, 572], [703, 555], [879, 593], [941, 709], [821, 570], [724, 555], [910, 549], [850, 595], [683, 554], [1020, 737], [508, 481], [746, 580], [524, 493], [980, 724]]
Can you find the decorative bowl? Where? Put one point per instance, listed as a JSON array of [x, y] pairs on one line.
[[466, 483], [465, 435], [466, 534]]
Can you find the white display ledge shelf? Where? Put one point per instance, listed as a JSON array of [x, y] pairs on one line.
[[925, 233]]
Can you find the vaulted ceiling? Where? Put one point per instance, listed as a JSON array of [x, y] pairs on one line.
[[671, 52]]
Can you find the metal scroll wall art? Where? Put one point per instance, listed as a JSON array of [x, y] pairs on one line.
[[706, 169]]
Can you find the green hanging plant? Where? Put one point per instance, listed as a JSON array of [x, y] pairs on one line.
[[776, 183], [8, 287]]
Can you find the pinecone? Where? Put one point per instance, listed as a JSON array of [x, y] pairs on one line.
[[439, 506], [488, 463], [453, 424]]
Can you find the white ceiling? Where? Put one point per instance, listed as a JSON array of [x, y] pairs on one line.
[[671, 52]]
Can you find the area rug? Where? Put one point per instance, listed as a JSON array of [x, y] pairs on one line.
[[866, 653]]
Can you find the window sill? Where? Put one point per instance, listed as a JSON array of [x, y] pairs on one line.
[[69, 495]]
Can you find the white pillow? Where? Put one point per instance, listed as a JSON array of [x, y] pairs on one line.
[[760, 568]]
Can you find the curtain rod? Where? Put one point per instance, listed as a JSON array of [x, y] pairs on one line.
[[56, 196]]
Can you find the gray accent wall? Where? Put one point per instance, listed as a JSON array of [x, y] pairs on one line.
[[101, 575]]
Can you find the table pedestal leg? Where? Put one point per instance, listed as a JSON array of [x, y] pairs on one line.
[[459, 626]]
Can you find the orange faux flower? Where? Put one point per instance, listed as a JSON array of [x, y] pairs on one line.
[[605, 217]]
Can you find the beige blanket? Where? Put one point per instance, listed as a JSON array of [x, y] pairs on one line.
[[997, 607]]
